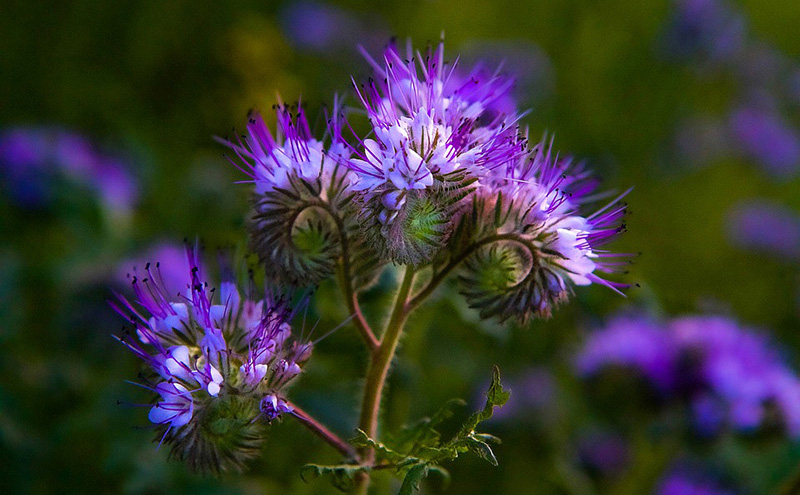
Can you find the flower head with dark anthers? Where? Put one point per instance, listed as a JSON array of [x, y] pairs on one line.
[[300, 196], [534, 203], [215, 357], [293, 152], [732, 377], [434, 132]]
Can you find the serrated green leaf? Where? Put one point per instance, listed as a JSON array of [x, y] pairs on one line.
[[341, 476], [496, 396], [482, 449], [382, 452], [413, 477]]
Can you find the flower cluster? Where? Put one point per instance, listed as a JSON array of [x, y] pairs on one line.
[[30, 158], [219, 363], [731, 376], [445, 175]]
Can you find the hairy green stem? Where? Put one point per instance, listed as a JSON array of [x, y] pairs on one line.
[[378, 370], [346, 281], [438, 277]]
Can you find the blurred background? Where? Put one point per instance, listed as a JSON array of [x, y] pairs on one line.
[[107, 113]]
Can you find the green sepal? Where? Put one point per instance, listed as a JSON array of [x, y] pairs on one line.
[[222, 436]]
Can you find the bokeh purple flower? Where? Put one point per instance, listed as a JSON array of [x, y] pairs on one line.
[[733, 377], [683, 483], [767, 138], [33, 158], [766, 227]]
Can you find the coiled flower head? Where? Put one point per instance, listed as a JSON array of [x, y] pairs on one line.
[[213, 358], [300, 196], [539, 243]]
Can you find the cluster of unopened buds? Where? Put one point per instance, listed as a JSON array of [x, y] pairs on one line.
[[443, 180]]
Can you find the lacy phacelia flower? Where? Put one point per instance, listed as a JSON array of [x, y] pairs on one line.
[[731, 376], [444, 176], [301, 192], [532, 204], [434, 132], [215, 358]]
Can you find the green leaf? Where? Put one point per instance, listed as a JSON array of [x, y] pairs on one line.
[[412, 479], [482, 449], [382, 452], [496, 396], [341, 476]]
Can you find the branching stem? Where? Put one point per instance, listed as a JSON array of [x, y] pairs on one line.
[[321, 431], [438, 277], [345, 276]]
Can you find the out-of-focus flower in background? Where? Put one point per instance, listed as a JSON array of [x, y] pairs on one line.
[[689, 482], [765, 227], [733, 377], [33, 159], [768, 139], [331, 30]]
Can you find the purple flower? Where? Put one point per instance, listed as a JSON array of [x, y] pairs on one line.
[[273, 407], [547, 192], [766, 137], [203, 345], [274, 161], [636, 343], [680, 483], [32, 157], [425, 120], [741, 371], [765, 227], [175, 407], [709, 27], [732, 376]]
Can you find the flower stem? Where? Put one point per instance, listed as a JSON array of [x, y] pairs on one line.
[[439, 276], [378, 370], [321, 431], [346, 282]]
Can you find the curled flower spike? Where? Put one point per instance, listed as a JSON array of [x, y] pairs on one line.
[[214, 357], [303, 214], [538, 242]]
